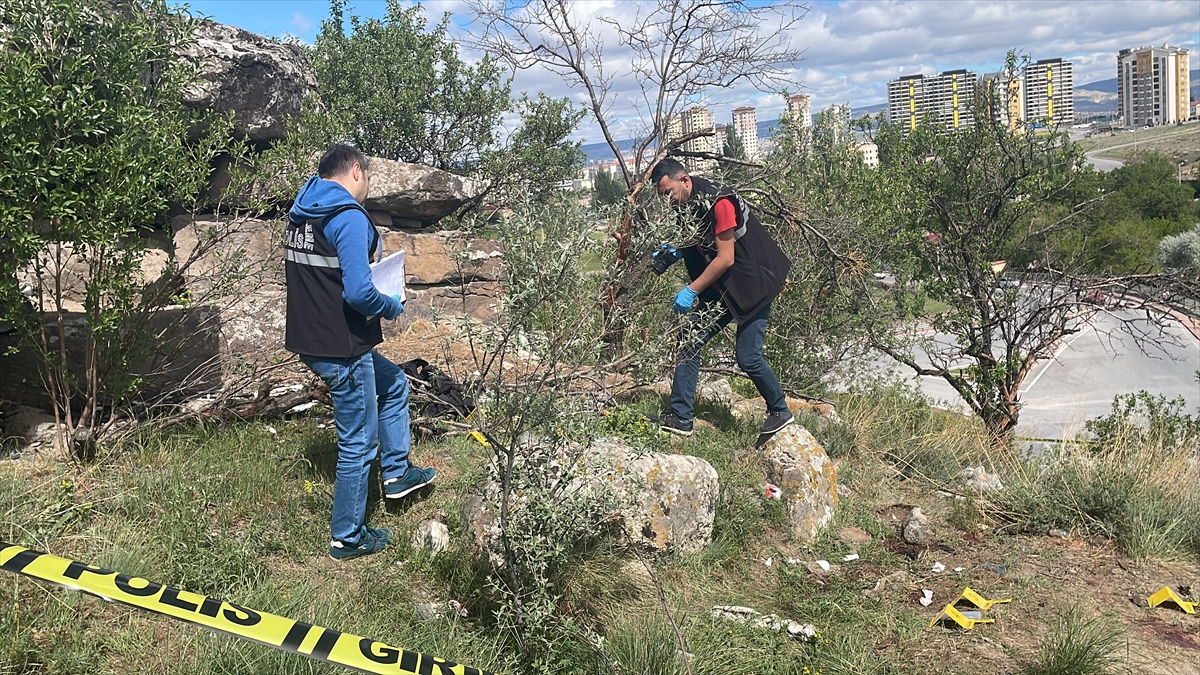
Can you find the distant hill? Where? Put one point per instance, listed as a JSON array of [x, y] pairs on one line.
[[1110, 86]]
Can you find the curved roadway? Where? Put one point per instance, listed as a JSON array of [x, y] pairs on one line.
[[1091, 368]]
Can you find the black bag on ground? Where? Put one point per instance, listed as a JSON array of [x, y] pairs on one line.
[[445, 396]]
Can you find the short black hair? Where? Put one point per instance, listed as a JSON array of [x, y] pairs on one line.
[[339, 159], [667, 167]]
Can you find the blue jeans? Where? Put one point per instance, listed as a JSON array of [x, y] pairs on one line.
[[749, 358], [370, 409]]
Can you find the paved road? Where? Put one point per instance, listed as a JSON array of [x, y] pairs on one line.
[[1105, 164], [1090, 368]]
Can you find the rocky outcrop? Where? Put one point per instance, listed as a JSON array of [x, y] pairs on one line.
[[447, 273], [665, 502], [672, 498], [747, 409], [414, 193], [796, 463], [262, 81]]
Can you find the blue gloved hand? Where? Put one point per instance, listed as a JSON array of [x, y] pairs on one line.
[[400, 305], [664, 257], [685, 299]]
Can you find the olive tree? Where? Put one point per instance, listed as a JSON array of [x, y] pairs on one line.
[[95, 144]]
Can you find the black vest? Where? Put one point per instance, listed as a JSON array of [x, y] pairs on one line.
[[319, 321], [760, 267]]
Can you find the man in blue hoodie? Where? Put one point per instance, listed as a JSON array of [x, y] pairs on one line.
[[333, 313]]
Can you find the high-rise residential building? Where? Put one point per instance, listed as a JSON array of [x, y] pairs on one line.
[[906, 101], [952, 98], [1006, 98], [1152, 85], [694, 120], [799, 108], [947, 97], [1050, 92], [674, 127], [869, 152], [745, 125]]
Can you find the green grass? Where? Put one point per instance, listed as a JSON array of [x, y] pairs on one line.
[[241, 513], [1076, 645]]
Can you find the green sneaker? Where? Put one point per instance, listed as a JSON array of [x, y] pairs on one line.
[[413, 479], [372, 540]]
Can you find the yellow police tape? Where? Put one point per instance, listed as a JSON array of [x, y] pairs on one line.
[[315, 642]]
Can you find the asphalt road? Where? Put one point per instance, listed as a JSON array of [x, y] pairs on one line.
[[1105, 164], [1090, 368]]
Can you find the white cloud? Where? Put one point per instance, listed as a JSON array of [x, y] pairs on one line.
[[851, 48], [301, 23]]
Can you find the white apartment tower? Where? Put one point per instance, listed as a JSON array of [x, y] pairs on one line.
[[1152, 85], [1049, 92], [694, 120], [745, 125], [799, 108]]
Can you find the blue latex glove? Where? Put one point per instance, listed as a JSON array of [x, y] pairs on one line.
[[399, 307], [685, 299], [664, 257]]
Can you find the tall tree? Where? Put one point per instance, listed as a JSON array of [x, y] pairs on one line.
[[609, 190], [405, 91], [732, 148], [94, 148]]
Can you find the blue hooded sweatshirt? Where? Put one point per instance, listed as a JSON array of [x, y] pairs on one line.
[[350, 233]]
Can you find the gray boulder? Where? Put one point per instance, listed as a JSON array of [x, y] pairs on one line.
[[916, 528], [416, 192], [672, 499], [665, 502], [798, 465], [262, 81]]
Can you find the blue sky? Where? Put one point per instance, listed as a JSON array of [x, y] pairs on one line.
[[852, 47]]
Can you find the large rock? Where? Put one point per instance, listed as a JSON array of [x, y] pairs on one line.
[[796, 463], [672, 498], [417, 192], [749, 409], [261, 80], [665, 502], [448, 274]]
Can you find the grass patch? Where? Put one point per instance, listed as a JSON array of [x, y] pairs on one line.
[[1076, 645]]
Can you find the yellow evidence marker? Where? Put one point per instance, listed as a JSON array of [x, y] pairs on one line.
[[978, 600], [1165, 594], [966, 620]]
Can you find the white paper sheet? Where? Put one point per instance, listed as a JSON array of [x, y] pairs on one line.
[[388, 275]]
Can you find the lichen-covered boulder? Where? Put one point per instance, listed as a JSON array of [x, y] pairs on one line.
[[663, 501], [672, 498], [798, 465], [262, 81], [416, 192], [747, 409]]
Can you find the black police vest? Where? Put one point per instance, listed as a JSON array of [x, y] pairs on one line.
[[319, 321], [760, 267]]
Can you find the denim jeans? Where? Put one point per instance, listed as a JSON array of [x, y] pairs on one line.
[[370, 409], [749, 358]]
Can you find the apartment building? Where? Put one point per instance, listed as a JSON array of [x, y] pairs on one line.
[[1152, 85], [799, 108], [745, 125], [947, 97], [1049, 87], [1006, 100], [693, 120]]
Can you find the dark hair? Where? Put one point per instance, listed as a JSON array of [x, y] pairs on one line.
[[667, 167], [339, 159]]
